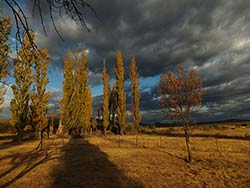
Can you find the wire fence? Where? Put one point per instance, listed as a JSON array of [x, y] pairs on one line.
[[175, 143]]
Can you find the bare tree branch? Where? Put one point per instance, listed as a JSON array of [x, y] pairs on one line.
[[74, 9]]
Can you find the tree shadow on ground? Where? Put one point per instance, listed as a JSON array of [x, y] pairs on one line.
[[85, 165], [27, 161]]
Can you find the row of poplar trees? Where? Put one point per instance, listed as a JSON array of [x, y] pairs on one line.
[[76, 102], [30, 98], [114, 102]]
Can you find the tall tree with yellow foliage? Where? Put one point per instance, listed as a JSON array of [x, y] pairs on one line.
[[5, 49], [106, 93], [76, 103], [89, 109], [85, 96], [40, 97], [121, 103], [135, 91], [66, 107], [23, 74]]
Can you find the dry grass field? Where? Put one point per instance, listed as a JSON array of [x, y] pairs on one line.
[[127, 161]]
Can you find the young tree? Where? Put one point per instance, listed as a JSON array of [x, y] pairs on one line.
[[89, 109], [121, 103], [52, 116], [135, 90], [19, 105], [113, 104], [40, 97], [180, 95], [106, 93], [5, 49]]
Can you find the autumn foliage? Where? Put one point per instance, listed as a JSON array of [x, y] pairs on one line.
[[5, 29], [135, 92], [76, 102], [106, 95], [30, 68], [180, 95], [121, 102]]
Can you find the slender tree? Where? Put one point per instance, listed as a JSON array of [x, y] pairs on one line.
[[89, 107], [19, 105], [113, 104], [66, 107], [180, 95], [5, 49], [121, 103], [40, 97], [135, 90], [85, 99], [52, 116], [106, 93]]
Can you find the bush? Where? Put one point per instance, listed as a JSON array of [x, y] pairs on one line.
[[6, 127]]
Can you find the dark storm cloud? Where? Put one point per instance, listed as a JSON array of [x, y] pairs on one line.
[[161, 34], [212, 36]]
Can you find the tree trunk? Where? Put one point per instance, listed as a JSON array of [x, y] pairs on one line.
[[120, 130], [41, 140], [19, 135], [48, 130], [185, 127]]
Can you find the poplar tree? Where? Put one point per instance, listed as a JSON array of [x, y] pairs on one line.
[[113, 104], [89, 108], [23, 75], [106, 93], [76, 103], [121, 103], [85, 98], [66, 109], [135, 91], [40, 97], [5, 49]]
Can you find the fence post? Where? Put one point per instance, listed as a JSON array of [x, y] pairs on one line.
[[160, 142], [136, 140], [118, 141], [217, 145]]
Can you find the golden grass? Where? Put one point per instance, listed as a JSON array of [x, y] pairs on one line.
[[124, 161], [230, 129]]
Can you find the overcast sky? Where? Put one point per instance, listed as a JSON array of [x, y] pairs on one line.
[[212, 36]]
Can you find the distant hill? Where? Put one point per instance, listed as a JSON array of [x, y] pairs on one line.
[[159, 124]]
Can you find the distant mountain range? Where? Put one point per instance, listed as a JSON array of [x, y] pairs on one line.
[[159, 124]]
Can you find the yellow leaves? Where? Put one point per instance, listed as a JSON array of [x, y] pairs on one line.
[[135, 90], [5, 49], [106, 91], [76, 97], [121, 108], [29, 56]]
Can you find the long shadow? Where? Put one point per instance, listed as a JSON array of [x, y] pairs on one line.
[[85, 165], [12, 142], [29, 160]]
